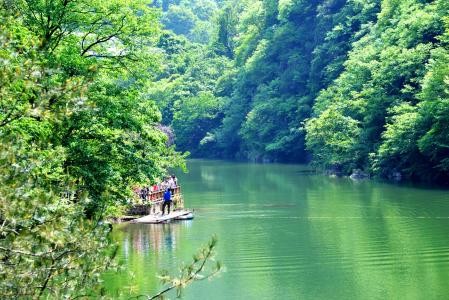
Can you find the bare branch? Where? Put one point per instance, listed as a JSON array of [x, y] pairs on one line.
[[9, 119], [22, 252], [106, 38], [193, 276]]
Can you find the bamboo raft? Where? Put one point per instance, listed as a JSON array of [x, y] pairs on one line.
[[151, 209], [174, 215]]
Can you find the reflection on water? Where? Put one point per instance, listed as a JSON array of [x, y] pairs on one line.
[[145, 250], [149, 238], [286, 233]]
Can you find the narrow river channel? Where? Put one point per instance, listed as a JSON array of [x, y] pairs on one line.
[[286, 233]]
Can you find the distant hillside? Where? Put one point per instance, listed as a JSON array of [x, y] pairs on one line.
[[348, 84], [190, 18]]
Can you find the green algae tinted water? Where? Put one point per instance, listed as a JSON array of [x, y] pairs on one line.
[[285, 233]]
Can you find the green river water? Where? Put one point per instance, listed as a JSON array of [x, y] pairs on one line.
[[285, 233]]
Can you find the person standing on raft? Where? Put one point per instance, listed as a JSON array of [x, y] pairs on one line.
[[167, 201]]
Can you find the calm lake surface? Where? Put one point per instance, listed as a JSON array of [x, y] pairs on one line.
[[285, 233]]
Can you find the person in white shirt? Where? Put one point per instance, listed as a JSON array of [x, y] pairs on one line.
[[171, 185]]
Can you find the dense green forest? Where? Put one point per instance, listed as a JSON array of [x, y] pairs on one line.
[[77, 132], [344, 84], [193, 19], [94, 94]]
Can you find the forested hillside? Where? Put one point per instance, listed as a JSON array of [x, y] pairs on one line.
[[190, 18], [95, 94], [346, 84]]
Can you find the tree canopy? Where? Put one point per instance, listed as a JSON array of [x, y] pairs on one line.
[[89, 90], [344, 83], [76, 132]]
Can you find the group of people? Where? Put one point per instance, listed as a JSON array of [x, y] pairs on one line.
[[147, 192], [168, 186]]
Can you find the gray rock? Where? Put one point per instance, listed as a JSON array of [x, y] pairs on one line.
[[358, 174], [396, 176]]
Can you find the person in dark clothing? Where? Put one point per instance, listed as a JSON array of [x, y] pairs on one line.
[[167, 201], [143, 194]]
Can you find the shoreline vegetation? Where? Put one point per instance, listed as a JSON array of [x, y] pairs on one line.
[[77, 131], [99, 96]]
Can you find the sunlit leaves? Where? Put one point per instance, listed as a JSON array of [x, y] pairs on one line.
[[333, 137], [75, 132], [390, 71]]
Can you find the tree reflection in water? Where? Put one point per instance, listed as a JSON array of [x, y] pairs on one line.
[[146, 239]]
